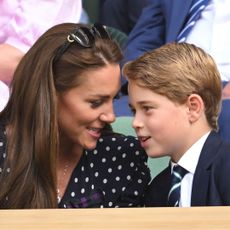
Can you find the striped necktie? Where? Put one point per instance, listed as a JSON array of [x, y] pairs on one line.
[[174, 193], [192, 17]]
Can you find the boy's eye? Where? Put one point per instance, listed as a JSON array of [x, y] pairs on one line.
[[147, 108]]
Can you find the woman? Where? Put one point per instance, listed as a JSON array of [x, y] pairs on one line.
[[53, 153]]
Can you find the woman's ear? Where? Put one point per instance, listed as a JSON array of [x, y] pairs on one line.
[[195, 106]]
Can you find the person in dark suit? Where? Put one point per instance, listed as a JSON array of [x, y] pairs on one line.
[[162, 21], [121, 14], [175, 95]]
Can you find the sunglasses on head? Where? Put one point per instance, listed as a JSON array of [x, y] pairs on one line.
[[83, 36]]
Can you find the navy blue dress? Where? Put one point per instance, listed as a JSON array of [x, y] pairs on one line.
[[114, 174]]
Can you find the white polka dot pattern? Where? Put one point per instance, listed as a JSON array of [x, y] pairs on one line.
[[116, 167]]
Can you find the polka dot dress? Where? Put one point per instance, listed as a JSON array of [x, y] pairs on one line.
[[2, 147], [116, 169], [114, 174]]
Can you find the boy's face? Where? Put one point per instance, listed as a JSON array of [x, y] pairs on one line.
[[162, 126]]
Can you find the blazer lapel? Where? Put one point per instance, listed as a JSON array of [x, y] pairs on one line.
[[202, 174], [179, 11], [157, 193]]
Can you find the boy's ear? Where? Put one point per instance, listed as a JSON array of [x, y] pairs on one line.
[[195, 107]]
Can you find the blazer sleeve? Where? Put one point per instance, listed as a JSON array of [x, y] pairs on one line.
[[221, 178], [148, 33]]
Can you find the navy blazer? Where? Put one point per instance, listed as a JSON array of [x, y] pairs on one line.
[[159, 23], [211, 184]]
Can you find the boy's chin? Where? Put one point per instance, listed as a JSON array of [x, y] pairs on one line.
[[154, 154]]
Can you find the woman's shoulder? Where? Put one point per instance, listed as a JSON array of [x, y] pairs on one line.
[[121, 146], [119, 141], [119, 137]]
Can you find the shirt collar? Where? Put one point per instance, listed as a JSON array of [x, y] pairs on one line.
[[190, 159]]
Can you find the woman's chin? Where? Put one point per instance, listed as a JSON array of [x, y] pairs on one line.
[[90, 146]]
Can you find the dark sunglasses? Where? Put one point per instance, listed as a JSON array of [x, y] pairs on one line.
[[83, 36]]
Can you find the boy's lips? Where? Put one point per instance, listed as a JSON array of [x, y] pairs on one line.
[[144, 140]]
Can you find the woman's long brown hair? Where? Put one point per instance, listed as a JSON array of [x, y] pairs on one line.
[[31, 115]]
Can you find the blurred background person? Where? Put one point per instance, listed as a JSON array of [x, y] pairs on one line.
[[121, 14], [21, 23]]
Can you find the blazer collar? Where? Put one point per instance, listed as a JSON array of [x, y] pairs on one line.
[[202, 173]]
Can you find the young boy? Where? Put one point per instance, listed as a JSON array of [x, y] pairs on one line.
[[175, 95]]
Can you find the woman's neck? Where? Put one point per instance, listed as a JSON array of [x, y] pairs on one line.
[[68, 158]]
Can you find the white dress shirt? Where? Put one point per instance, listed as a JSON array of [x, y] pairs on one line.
[[189, 162], [212, 33]]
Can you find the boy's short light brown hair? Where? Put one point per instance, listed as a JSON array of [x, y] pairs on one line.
[[177, 70]]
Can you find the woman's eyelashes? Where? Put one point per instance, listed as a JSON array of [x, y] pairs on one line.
[[96, 103]]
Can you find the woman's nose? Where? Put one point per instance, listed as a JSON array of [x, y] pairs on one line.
[[108, 116]]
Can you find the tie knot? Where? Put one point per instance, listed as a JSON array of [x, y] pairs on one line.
[[179, 171]]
